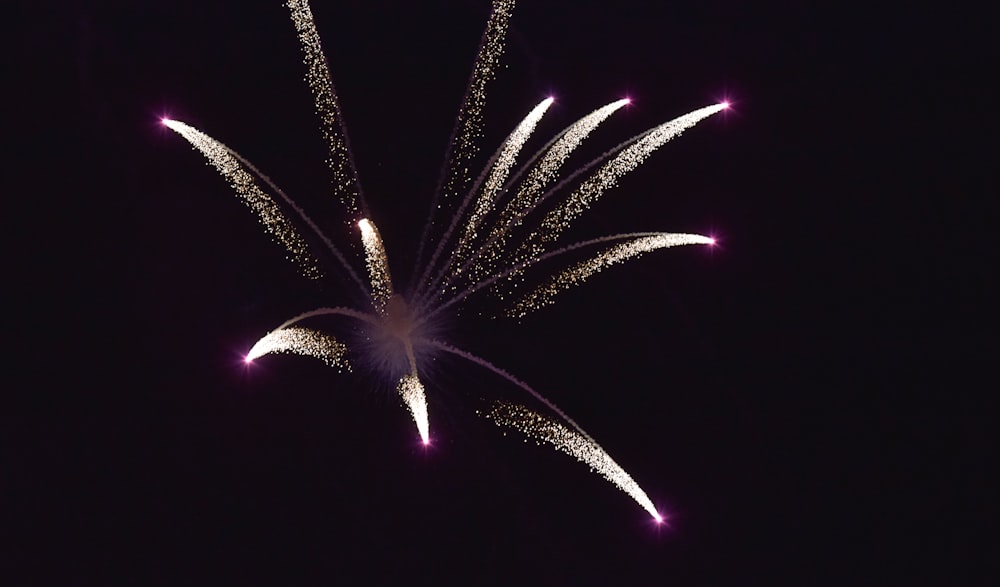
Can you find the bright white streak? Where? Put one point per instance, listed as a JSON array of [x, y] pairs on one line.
[[242, 182], [501, 169], [412, 392], [608, 175], [572, 443], [582, 271], [540, 176], [462, 146], [301, 341], [378, 265], [320, 82]]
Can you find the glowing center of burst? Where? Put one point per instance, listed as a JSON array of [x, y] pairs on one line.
[[397, 318]]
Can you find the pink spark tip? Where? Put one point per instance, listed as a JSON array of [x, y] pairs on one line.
[[247, 360], [711, 241], [725, 104], [164, 120], [658, 518]]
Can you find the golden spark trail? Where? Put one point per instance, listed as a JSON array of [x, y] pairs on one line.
[[301, 341], [345, 181], [572, 443], [242, 182], [582, 271], [556, 221]]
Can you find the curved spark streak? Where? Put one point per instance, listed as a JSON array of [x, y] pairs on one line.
[[572, 443], [412, 392], [462, 147], [582, 271], [543, 173], [440, 280], [270, 215], [378, 265], [301, 341], [559, 219], [512, 146], [520, 267], [345, 177]]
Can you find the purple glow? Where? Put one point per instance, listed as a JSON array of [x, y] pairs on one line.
[[725, 104]]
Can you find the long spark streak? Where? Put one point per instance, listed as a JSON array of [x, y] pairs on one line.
[[301, 341], [462, 147], [570, 442], [267, 210], [582, 271], [556, 221], [512, 146], [345, 177], [378, 265], [499, 166], [520, 267], [555, 154], [412, 392]]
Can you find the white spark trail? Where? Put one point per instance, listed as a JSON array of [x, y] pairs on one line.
[[301, 341], [521, 267], [530, 192], [378, 265], [556, 221], [302, 214], [345, 177], [570, 442], [267, 210], [498, 175], [580, 272], [412, 392], [499, 166], [462, 147]]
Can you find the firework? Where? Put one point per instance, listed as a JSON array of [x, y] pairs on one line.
[[471, 254]]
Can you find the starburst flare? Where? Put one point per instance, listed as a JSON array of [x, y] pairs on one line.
[[471, 255]]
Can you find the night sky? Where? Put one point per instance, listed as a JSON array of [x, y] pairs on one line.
[[810, 401]]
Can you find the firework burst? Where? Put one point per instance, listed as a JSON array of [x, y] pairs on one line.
[[500, 225]]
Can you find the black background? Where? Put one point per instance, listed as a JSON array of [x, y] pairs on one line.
[[810, 401]]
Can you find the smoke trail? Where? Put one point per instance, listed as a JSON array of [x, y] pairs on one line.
[[345, 176], [301, 341], [580, 272], [570, 442], [270, 215]]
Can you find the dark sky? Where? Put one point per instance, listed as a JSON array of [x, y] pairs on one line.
[[810, 401]]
